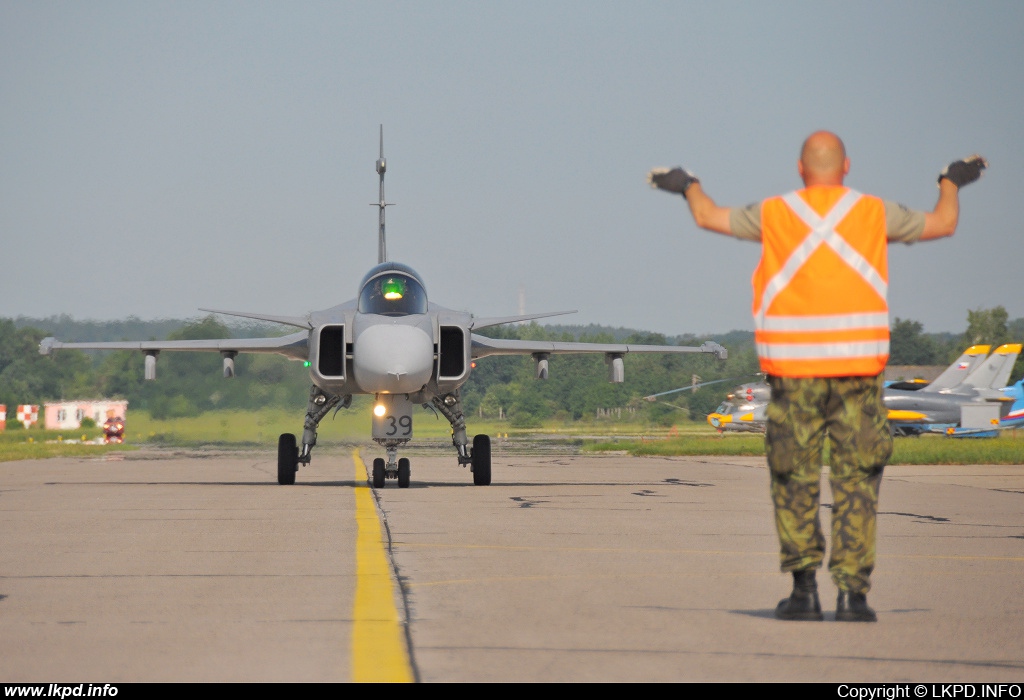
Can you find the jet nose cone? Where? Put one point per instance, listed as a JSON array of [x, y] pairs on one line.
[[393, 359], [717, 420]]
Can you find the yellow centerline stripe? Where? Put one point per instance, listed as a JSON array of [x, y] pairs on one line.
[[379, 654]]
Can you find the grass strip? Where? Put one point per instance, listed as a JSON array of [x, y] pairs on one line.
[[1007, 448]]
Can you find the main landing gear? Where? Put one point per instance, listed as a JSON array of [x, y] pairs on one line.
[[289, 455], [479, 459], [287, 459]]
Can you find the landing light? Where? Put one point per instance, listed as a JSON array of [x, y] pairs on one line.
[[379, 410]]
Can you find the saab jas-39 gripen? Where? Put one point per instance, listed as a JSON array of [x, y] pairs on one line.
[[392, 343]]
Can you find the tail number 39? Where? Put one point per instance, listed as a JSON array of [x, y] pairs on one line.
[[398, 426], [393, 425]]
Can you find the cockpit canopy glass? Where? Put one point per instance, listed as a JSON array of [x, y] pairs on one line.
[[393, 293]]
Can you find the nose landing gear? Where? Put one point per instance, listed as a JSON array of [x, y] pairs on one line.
[[393, 468]]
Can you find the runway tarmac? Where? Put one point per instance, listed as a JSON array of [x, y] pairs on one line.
[[163, 565]]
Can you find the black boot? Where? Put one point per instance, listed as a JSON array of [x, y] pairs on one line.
[[802, 603], [853, 607]]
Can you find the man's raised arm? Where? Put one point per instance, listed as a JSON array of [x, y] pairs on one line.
[[942, 220], [706, 214]]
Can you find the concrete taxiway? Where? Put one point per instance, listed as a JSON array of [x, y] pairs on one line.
[[197, 566]]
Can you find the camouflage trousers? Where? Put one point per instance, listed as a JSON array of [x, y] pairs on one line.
[[849, 412]]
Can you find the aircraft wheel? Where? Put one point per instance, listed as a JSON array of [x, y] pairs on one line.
[[404, 472], [378, 473], [481, 460], [287, 459]]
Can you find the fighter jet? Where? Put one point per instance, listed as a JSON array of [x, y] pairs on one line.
[[940, 406], [390, 342]]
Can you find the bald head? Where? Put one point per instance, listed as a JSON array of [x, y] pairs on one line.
[[823, 159]]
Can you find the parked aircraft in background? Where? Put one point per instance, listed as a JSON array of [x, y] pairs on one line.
[[977, 396], [392, 343], [974, 379], [1014, 417]]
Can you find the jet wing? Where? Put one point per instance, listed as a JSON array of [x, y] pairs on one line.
[[502, 320], [485, 347], [293, 346], [297, 321]]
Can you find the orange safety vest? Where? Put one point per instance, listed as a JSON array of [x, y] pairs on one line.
[[820, 290]]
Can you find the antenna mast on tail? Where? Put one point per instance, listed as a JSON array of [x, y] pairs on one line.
[[382, 166]]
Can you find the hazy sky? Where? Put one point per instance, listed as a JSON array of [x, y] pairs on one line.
[[158, 157]]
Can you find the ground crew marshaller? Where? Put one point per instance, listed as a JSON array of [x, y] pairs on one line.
[[821, 327]]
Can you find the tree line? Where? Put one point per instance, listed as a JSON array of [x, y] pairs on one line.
[[910, 345], [501, 387]]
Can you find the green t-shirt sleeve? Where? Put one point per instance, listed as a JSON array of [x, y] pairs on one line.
[[745, 222], [902, 224]]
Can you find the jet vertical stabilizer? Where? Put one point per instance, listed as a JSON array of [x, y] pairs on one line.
[[993, 373], [961, 369], [382, 166]]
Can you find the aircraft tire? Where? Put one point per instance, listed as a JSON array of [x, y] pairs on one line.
[[404, 472], [378, 473], [482, 460], [287, 459]]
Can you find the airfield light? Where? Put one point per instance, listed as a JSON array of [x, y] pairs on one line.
[[393, 288], [307, 363], [379, 410]]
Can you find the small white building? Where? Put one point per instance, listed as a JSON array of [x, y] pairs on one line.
[[68, 415]]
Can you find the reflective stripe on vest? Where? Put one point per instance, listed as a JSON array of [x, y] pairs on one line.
[[831, 344]]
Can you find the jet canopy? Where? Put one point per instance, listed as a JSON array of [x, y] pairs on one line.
[[392, 289]]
